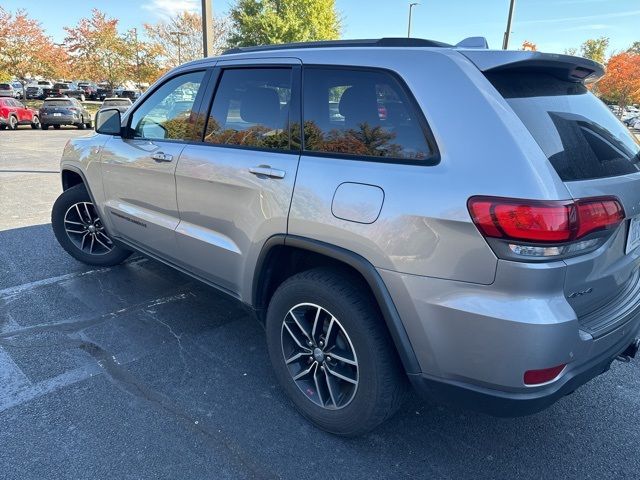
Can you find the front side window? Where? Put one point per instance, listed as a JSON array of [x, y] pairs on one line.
[[167, 113], [251, 109], [360, 113]]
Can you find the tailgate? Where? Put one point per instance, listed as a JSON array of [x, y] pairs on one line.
[[595, 155]]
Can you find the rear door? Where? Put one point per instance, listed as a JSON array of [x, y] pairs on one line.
[[234, 189], [138, 169], [595, 155]]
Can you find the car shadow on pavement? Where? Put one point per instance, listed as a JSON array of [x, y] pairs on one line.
[[139, 368]]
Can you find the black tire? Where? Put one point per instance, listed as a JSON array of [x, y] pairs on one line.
[[381, 382], [66, 201], [44, 126], [56, 127], [13, 123], [81, 125], [3, 127], [35, 123]]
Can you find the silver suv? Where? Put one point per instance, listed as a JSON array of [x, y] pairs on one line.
[[382, 240]]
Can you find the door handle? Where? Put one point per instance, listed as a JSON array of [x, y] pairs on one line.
[[162, 157], [267, 171]]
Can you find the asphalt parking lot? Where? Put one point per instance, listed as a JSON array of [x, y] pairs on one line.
[[138, 371]]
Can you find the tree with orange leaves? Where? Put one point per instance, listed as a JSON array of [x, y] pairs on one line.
[[25, 50], [621, 83], [530, 46]]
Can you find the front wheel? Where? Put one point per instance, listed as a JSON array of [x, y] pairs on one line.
[[80, 231], [81, 125], [331, 352]]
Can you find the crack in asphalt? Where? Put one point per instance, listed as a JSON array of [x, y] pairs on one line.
[[128, 382]]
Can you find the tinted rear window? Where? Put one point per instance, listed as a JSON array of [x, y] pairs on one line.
[[5, 86], [58, 103], [580, 136]]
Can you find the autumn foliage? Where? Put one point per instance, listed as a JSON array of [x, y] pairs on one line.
[[25, 50], [621, 83]]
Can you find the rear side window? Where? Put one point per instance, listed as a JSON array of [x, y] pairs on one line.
[[360, 113], [251, 108], [577, 132]]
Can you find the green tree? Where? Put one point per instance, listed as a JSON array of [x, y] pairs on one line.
[[634, 48], [265, 22], [571, 51], [595, 49]]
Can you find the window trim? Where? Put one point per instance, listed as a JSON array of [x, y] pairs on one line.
[[295, 110], [433, 159], [127, 133]]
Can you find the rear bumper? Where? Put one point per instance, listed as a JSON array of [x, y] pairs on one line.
[[515, 404], [62, 120]]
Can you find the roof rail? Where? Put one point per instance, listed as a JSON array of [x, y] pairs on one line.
[[473, 42], [379, 42]]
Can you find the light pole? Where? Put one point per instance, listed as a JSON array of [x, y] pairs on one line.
[[505, 41], [178, 34], [411, 5], [207, 27]]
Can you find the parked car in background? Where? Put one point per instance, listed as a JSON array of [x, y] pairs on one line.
[[56, 112], [18, 88], [7, 90], [130, 94], [374, 252], [104, 91], [90, 90], [70, 90], [121, 104], [36, 90], [13, 114]]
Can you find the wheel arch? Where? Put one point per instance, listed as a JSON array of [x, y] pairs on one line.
[[285, 255]]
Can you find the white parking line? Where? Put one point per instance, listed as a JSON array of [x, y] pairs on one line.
[[10, 292]]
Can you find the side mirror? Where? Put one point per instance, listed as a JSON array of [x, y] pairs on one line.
[[108, 122]]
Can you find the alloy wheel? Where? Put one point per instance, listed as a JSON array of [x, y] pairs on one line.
[[85, 229], [319, 356]]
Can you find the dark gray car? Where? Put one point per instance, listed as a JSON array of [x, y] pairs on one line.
[[57, 111]]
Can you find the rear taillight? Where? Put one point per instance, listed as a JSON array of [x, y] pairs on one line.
[[534, 228]]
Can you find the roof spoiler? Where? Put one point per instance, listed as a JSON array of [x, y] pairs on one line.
[[473, 42], [565, 67]]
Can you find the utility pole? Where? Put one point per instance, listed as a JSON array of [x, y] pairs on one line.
[[505, 41], [178, 35], [411, 5], [207, 27], [135, 36]]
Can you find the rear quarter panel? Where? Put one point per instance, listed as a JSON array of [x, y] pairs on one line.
[[424, 227]]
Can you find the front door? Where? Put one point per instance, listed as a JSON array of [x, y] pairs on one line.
[[139, 168], [234, 189]]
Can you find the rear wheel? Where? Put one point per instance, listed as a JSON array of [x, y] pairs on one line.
[[80, 231], [35, 123], [81, 125], [44, 126], [331, 352], [13, 123]]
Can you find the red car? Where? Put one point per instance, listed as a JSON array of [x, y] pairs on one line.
[[13, 113]]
